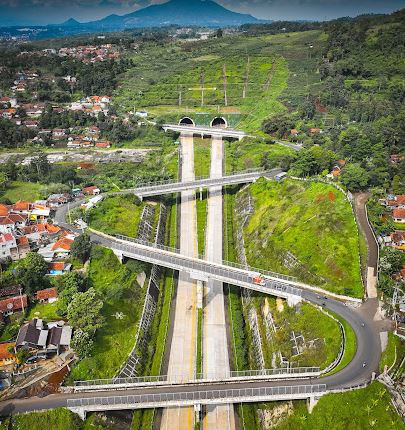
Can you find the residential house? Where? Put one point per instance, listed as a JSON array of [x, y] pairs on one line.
[[53, 337], [58, 267], [396, 202], [315, 131], [13, 304], [61, 248], [7, 354], [103, 144], [56, 200], [92, 190], [10, 290], [23, 246], [6, 225], [49, 295], [8, 246], [398, 239], [31, 123], [21, 207], [399, 215], [58, 133], [40, 214]]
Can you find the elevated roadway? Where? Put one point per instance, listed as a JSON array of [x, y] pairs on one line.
[[170, 187]]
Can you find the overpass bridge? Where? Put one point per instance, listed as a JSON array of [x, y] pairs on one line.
[[190, 398], [205, 131], [169, 187], [200, 269]]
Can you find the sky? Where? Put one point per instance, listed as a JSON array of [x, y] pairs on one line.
[[31, 12]]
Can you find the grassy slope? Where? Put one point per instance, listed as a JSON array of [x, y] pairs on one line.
[[394, 352], [117, 215], [368, 408], [248, 154], [161, 73], [315, 223], [19, 190], [118, 288], [57, 419], [309, 322]]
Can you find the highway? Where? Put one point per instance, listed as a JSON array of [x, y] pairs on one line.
[[360, 319], [215, 345], [183, 344], [354, 374]]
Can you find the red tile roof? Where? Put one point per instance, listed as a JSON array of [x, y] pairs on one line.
[[3, 210], [56, 265], [398, 213], [13, 303], [89, 190], [64, 243], [34, 228], [5, 354], [5, 220], [23, 240], [48, 293], [21, 206], [52, 228], [6, 237]]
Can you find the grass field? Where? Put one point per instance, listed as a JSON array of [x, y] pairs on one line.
[[57, 419], [19, 190], [306, 230], [117, 215], [46, 311], [121, 294], [248, 154], [367, 408]]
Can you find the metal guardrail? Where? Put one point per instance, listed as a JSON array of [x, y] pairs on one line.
[[194, 397], [200, 377], [201, 257], [247, 172]]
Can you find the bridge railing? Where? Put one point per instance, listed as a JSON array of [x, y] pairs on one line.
[[204, 397], [200, 377], [148, 185], [201, 257]]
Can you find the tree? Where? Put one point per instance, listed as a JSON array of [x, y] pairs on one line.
[[31, 272], [82, 343], [391, 260], [354, 177], [398, 185], [81, 247], [84, 311]]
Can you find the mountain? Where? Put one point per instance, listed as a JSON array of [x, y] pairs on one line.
[[205, 13], [70, 23]]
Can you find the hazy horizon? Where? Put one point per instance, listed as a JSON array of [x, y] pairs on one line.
[[41, 12]]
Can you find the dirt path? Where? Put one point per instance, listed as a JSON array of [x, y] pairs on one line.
[[360, 200]]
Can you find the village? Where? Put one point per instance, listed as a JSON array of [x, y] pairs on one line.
[[33, 342]]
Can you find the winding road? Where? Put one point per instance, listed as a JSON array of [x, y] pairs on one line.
[[361, 319]]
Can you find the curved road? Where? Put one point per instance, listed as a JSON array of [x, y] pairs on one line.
[[360, 319]]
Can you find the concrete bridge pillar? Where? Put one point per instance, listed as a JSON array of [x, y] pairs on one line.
[[293, 300], [79, 411], [119, 255], [311, 403]]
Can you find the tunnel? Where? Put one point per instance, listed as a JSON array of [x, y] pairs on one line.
[[219, 122], [187, 121]]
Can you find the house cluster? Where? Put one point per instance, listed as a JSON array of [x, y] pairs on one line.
[[34, 336], [92, 105], [26, 226], [294, 132], [396, 206], [90, 137], [87, 53]]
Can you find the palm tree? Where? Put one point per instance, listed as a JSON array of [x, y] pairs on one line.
[[368, 409]]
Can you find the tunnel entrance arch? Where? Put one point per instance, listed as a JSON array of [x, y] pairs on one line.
[[219, 122], [187, 121]]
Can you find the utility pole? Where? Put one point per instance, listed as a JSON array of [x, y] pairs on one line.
[[246, 78], [22, 302], [225, 84], [202, 78]]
